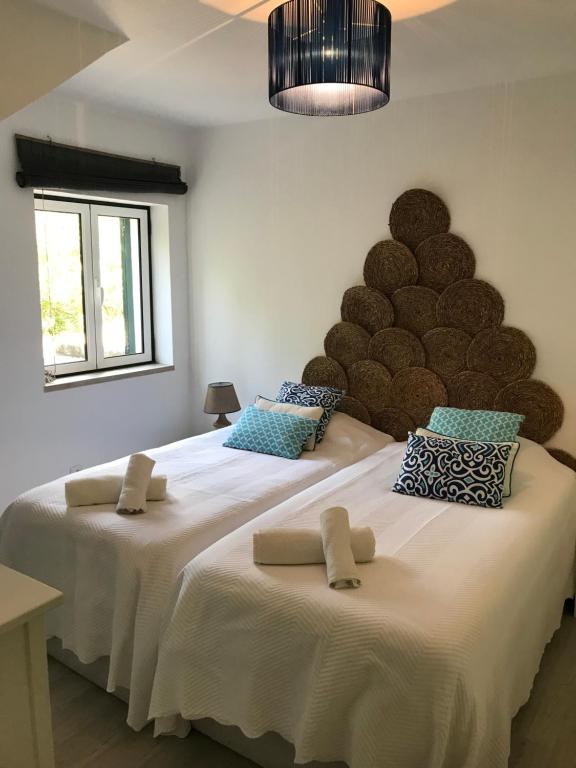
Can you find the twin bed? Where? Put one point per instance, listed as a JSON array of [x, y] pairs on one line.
[[426, 664], [117, 573]]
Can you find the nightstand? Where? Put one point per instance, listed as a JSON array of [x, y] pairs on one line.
[[25, 718]]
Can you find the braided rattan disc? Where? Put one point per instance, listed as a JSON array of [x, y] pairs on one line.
[[542, 407], [446, 351], [415, 309], [354, 408], [417, 215], [417, 391], [347, 343], [396, 348], [563, 457], [325, 372], [394, 422], [390, 265], [443, 260], [369, 382], [506, 354], [367, 307], [471, 390], [471, 305]]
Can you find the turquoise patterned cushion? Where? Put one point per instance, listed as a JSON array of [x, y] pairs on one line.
[[463, 471], [487, 426], [279, 434]]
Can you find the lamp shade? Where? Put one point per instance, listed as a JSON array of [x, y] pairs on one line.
[[329, 57], [221, 398]]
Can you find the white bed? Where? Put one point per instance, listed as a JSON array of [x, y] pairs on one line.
[[424, 665], [117, 573]]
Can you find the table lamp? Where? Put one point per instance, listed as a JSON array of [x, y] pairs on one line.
[[221, 399]]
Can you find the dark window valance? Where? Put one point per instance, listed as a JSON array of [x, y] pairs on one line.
[[47, 165]]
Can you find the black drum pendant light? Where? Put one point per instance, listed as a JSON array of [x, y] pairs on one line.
[[329, 57]]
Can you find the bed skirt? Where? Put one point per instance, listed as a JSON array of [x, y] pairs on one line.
[[268, 751]]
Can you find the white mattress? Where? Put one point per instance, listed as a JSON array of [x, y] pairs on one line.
[[117, 573], [424, 665]]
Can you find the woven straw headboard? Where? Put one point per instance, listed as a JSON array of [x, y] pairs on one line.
[[424, 332]]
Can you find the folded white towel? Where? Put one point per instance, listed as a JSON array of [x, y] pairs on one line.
[[132, 499], [106, 489], [302, 546], [336, 541]]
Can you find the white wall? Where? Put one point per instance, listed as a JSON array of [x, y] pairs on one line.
[[279, 218], [43, 434], [284, 212]]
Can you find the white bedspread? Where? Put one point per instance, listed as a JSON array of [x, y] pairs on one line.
[[117, 573], [424, 665]]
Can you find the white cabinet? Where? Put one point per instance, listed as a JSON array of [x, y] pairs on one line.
[[25, 719]]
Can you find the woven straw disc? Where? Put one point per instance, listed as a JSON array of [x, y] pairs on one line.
[[354, 408], [389, 266], [446, 350], [563, 457], [415, 309], [417, 215], [369, 382], [507, 354], [347, 343], [325, 372], [396, 348], [471, 390], [542, 407], [444, 259], [471, 305], [394, 422], [417, 391], [367, 307]]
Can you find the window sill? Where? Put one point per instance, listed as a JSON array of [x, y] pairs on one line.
[[95, 377]]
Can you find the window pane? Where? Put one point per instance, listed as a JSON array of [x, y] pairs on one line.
[[119, 245], [59, 242]]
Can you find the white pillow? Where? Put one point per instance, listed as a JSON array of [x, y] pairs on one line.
[[303, 411], [507, 490]]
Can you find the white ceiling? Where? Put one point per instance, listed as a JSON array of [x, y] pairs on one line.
[[62, 44], [194, 64]]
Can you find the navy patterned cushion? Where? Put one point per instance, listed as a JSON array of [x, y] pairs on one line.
[[302, 394], [278, 434], [465, 471], [514, 448]]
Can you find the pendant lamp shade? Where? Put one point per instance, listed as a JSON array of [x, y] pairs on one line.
[[329, 57]]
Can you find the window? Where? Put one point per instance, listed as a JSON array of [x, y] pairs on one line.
[[94, 269]]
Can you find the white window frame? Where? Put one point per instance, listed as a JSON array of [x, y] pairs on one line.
[[93, 292], [142, 216]]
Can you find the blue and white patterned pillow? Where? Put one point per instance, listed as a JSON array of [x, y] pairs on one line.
[[302, 394], [465, 471], [514, 448], [278, 434], [489, 426]]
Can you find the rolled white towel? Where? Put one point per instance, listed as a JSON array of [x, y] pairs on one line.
[[106, 489], [302, 546], [132, 499], [336, 542]]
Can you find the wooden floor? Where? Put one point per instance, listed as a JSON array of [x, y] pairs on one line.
[[90, 729], [544, 731]]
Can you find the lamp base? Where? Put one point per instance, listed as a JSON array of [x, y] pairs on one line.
[[221, 421]]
